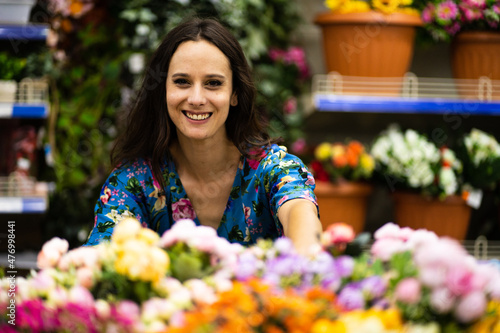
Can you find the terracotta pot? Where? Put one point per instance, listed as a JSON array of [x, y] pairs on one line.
[[449, 217], [344, 202], [369, 44], [476, 54]]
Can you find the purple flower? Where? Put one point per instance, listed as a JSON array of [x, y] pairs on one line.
[[247, 266], [344, 266], [351, 297], [374, 287]]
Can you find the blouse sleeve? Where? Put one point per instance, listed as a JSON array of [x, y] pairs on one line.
[[121, 196], [288, 178]]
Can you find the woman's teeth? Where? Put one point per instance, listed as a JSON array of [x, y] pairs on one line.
[[196, 116]]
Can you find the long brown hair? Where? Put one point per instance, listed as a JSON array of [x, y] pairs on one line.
[[150, 131]]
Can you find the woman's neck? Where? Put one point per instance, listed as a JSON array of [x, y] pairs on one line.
[[205, 160]]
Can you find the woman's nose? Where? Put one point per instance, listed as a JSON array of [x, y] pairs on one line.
[[196, 96]]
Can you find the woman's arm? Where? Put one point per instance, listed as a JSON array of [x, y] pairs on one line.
[[301, 224]]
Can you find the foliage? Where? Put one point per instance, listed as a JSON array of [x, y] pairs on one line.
[[408, 160], [443, 19], [408, 281], [99, 48], [385, 7], [342, 161]]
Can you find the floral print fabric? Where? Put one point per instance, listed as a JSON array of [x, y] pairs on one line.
[[259, 189]]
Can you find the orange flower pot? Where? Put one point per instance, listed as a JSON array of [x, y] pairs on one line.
[[476, 54], [449, 217], [343, 202]]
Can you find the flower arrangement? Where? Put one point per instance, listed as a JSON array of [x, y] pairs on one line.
[[408, 281], [338, 161], [443, 19], [385, 7], [408, 160], [480, 153]]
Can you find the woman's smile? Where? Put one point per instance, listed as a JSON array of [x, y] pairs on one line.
[[197, 116]]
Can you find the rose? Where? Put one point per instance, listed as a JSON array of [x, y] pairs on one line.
[[408, 291], [183, 209], [52, 252]]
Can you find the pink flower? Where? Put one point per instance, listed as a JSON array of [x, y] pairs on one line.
[[81, 295], [299, 146], [471, 307], [339, 233], [290, 105], [388, 230], [408, 291], [428, 13], [442, 300], [52, 252], [447, 10], [201, 292], [106, 195], [385, 248], [471, 13], [459, 280], [183, 209], [247, 211], [85, 277]]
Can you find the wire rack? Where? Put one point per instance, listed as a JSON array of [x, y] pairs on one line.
[[27, 91], [408, 86]]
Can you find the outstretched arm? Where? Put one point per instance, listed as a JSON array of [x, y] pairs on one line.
[[301, 224]]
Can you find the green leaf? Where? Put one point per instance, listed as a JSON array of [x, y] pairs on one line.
[[133, 186]]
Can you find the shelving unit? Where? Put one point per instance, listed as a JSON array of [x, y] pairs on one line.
[[412, 95], [27, 103]]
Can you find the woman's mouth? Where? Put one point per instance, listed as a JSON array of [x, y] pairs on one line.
[[197, 116]]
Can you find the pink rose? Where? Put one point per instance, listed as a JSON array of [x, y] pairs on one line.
[[247, 211], [183, 209], [408, 291], [52, 252], [388, 230], [470, 307]]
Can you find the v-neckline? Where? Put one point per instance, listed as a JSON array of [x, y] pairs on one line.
[[184, 195]]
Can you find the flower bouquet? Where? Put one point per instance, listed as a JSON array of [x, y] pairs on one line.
[[342, 171], [425, 181], [409, 281]]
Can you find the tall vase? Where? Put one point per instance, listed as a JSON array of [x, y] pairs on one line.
[[343, 202], [476, 54], [449, 217], [369, 44]]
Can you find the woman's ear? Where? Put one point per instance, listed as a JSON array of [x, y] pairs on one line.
[[234, 99]]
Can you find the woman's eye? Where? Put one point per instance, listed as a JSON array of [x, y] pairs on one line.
[[181, 82], [214, 83]]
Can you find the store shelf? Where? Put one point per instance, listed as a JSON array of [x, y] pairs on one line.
[[336, 93], [28, 99], [19, 194], [23, 32]]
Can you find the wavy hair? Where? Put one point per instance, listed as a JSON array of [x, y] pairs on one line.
[[149, 129]]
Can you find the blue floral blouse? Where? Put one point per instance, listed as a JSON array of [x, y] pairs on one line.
[[259, 189]]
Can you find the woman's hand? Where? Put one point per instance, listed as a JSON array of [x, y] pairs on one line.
[[301, 224]]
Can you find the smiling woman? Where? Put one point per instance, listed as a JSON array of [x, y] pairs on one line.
[[196, 147]]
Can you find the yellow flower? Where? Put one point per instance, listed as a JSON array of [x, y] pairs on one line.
[[354, 7], [334, 4], [125, 230], [326, 326], [285, 180], [367, 162], [148, 236], [386, 6], [323, 152]]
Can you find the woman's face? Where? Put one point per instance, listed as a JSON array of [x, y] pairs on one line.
[[199, 90]]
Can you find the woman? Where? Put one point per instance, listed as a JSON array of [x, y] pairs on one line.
[[196, 147]]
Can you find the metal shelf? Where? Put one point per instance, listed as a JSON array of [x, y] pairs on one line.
[[410, 94], [23, 32], [22, 195], [27, 99]]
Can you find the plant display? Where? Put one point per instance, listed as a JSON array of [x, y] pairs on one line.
[[385, 7], [408, 281], [443, 19], [480, 153], [339, 161], [99, 49], [408, 160]]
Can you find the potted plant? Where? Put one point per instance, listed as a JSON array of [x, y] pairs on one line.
[[425, 182], [342, 172], [473, 28], [369, 38], [11, 69]]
